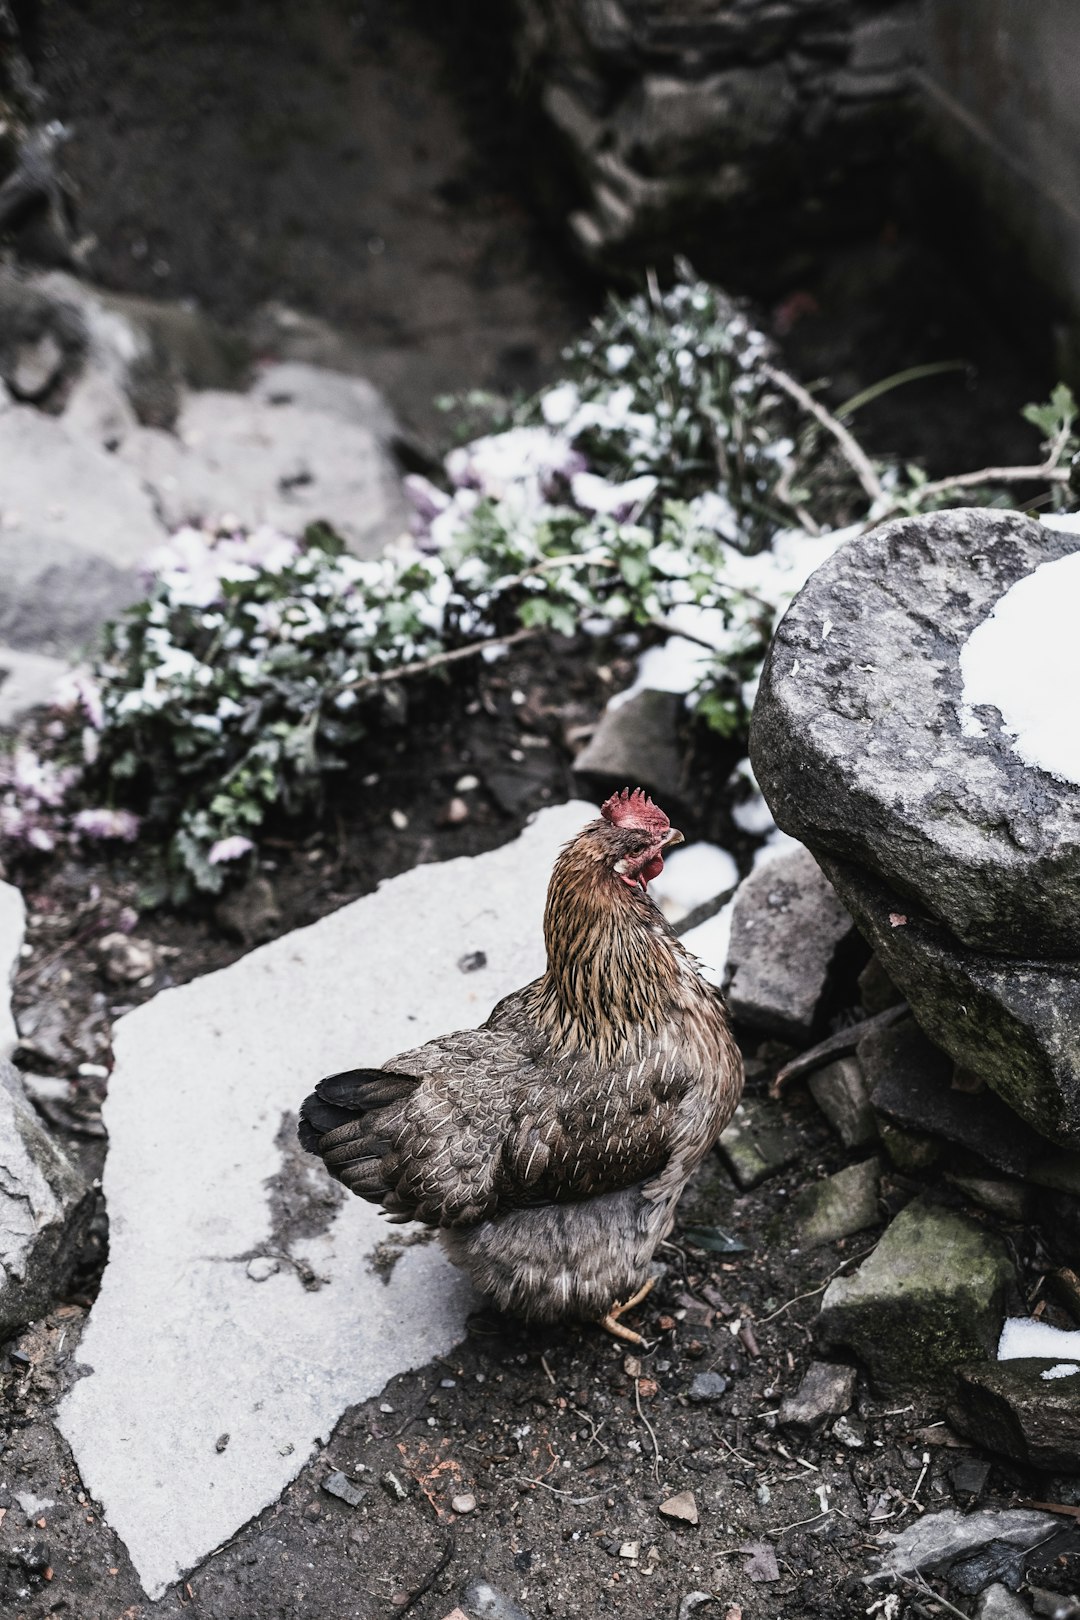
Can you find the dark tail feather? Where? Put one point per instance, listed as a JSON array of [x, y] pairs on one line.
[[341, 1097]]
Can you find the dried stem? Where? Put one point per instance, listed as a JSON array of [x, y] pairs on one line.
[[854, 454], [423, 666]]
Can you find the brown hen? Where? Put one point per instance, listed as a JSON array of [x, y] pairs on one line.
[[550, 1146]]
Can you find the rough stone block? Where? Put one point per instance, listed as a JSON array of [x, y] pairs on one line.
[[43, 1201], [911, 1084], [839, 1090], [827, 1389], [838, 1206], [786, 930], [758, 1142], [1013, 1023], [638, 742], [930, 1298], [1015, 1408]]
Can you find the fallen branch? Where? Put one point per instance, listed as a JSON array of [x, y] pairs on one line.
[[424, 666], [854, 454]]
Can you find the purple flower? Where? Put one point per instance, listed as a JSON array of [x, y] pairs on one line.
[[104, 823], [229, 849]]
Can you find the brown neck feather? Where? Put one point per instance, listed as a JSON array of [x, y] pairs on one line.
[[614, 967]]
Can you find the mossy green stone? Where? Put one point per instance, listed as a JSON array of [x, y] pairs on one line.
[[930, 1297]]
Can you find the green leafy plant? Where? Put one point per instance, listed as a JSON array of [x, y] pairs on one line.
[[676, 482]]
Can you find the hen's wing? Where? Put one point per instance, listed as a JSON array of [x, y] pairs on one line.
[[478, 1122]]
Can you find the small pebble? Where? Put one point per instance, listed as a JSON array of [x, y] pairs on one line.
[[707, 1386], [682, 1507], [345, 1489], [393, 1486], [466, 784], [221, 1442], [472, 961], [464, 1503], [456, 812], [399, 819]]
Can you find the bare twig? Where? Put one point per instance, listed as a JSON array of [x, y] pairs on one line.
[[423, 666], [854, 454], [417, 1592], [652, 1432], [1048, 472], [575, 1501], [821, 1287]]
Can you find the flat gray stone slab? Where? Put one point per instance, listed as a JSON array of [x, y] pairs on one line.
[[859, 746], [195, 1334]]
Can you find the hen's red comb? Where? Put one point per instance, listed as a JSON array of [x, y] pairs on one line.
[[634, 809]]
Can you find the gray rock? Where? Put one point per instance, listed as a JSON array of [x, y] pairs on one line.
[[43, 1205], [76, 524], [837, 1206], [826, 1390], [786, 930], [839, 1090], [996, 1602], [1009, 1200], [345, 1489], [940, 1541], [707, 1386], [1012, 1408], [286, 465], [758, 1142], [857, 746], [211, 1177], [1012, 1023], [27, 679], [107, 361], [911, 1083], [930, 1298], [638, 742], [334, 393], [486, 1602], [12, 929]]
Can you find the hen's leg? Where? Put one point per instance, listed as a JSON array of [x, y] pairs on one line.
[[611, 1322]]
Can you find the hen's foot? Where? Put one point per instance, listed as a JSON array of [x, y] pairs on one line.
[[611, 1324]]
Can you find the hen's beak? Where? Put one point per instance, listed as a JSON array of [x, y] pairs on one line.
[[672, 837]]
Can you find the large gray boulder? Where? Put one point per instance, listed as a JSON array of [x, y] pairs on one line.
[[43, 1204], [858, 747]]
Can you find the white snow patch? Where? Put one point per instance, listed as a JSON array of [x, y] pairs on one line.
[[692, 875], [1024, 1336], [1062, 1369], [1066, 522], [709, 942], [1024, 661]]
